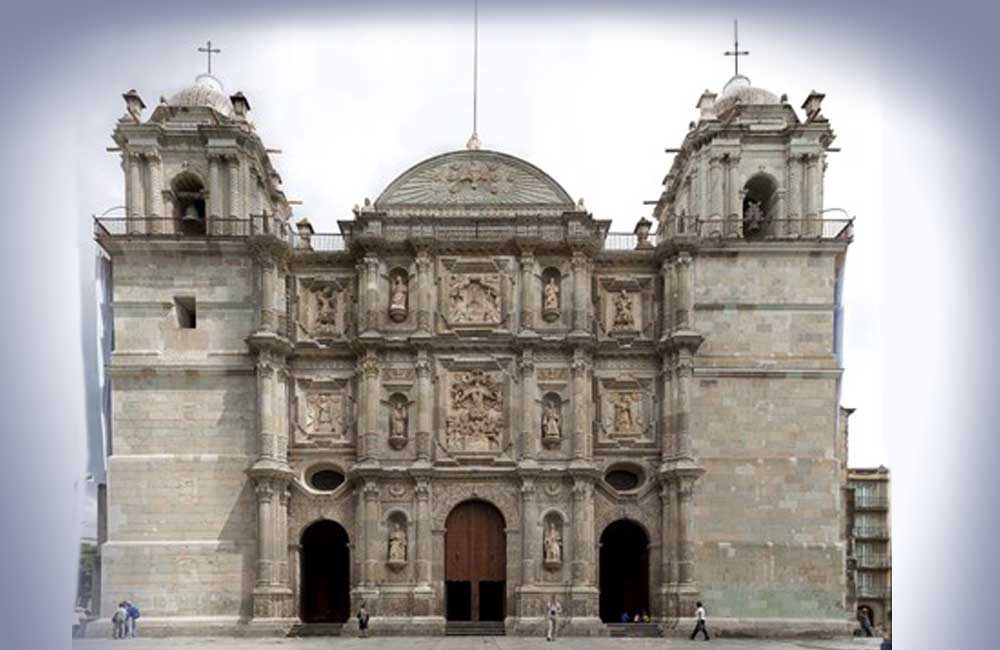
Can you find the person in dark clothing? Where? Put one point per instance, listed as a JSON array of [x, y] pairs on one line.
[[363, 621], [699, 626]]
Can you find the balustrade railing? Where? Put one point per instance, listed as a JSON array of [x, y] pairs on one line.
[[873, 591], [873, 561], [681, 227], [870, 503], [871, 532]]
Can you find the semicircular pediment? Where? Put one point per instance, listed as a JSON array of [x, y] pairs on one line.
[[474, 177]]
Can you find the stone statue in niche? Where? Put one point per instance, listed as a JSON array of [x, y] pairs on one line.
[[325, 311], [624, 417], [551, 422], [550, 299], [474, 412], [624, 318], [753, 216], [323, 415], [397, 299], [398, 422], [397, 544], [552, 546], [474, 299]]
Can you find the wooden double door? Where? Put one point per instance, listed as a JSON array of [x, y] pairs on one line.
[[475, 563]]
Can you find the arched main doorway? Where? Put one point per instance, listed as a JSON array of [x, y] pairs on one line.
[[326, 573], [475, 548], [624, 579]]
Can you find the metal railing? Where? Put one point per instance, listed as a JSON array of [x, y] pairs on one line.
[[682, 227], [320, 243], [257, 225], [871, 532], [873, 591], [627, 241], [870, 503], [873, 561]]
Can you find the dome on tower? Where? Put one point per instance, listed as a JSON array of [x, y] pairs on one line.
[[205, 92], [739, 91]]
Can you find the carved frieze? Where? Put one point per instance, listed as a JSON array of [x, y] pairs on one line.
[[553, 375], [474, 299]]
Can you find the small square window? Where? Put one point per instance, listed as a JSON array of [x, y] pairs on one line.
[[186, 312]]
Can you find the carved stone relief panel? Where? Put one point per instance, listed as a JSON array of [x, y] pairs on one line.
[[474, 293], [625, 304], [626, 409], [324, 413], [323, 308], [474, 411]]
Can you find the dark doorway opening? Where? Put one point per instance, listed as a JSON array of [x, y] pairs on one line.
[[624, 577], [326, 573], [475, 547]]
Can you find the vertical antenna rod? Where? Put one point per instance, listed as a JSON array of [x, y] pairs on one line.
[[473, 142]]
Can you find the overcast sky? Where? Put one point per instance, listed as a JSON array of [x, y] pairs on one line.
[[354, 100]]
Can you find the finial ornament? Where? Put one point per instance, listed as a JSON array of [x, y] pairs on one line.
[[208, 50], [736, 52]]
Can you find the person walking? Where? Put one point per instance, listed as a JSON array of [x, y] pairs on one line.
[[552, 610], [118, 621], [699, 626], [866, 622], [363, 621], [132, 618]]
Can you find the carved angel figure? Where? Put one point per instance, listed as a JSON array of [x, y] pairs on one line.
[[397, 544], [552, 546], [551, 421], [624, 418], [326, 309], [320, 414], [551, 291], [398, 297], [623, 310]]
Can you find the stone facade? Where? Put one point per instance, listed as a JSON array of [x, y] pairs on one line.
[[475, 334]]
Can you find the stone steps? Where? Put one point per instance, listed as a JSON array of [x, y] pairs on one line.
[[316, 629], [474, 628], [635, 629]]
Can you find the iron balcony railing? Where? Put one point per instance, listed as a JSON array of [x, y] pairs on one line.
[[873, 591], [871, 532], [870, 503], [873, 562], [257, 225], [687, 227]]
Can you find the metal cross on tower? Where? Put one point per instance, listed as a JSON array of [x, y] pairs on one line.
[[736, 48], [209, 51]]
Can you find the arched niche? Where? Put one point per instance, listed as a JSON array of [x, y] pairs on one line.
[[399, 294], [552, 419], [553, 550], [760, 198], [188, 196], [399, 420], [397, 539], [551, 294]]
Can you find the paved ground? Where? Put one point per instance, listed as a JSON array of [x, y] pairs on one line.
[[466, 643]]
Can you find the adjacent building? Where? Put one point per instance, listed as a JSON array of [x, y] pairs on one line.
[[870, 548]]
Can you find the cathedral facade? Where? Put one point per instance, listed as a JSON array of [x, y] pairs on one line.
[[475, 397]]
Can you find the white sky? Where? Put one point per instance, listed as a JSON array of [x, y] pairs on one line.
[[354, 101]]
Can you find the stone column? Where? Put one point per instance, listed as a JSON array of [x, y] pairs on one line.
[[714, 196], [214, 193], [582, 403], [422, 493], [372, 539], [267, 435], [685, 563], [530, 417], [667, 298], [583, 532], [371, 283], [529, 290], [280, 539], [683, 292], [136, 194], [234, 195], [156, 213], [265, 490], [794, 208], [267, 318], [425, 406], [368, 402], [295, 575], [667, 537], [734, 208], [682, 410], [666, 409], [529, 531], [814, 189], [581, 293], [425, 282], [696, 205]]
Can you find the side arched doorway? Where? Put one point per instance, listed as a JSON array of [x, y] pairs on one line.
[[475, 547], [624, 578], [326, 573]]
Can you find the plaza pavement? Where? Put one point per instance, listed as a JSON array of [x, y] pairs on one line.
[[467, 643]]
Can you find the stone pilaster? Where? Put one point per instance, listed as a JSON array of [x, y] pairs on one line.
[[582, 405], [272, 595], [370, 284], [369, 394], [214, 192], [682, 406], [814, 189], [683, 291], [371, 516], [136, 193], [425, 406], [666, 408], [685, 562], [582, 303], [667, 300], [714, 192], [529, 532], [155, 209], [529, 292], [584, 594], [530, 417], [425, 286], [795, 208], [734, 203], [424, 561], [234, 192]]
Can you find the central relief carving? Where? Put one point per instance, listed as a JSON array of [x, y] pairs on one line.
[[474, 299], [324, 416], [475, 405]]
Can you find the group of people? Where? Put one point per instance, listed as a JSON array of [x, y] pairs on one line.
[[124, 620], [640, 617]]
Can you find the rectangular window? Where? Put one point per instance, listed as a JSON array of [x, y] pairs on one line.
[[185, 309]]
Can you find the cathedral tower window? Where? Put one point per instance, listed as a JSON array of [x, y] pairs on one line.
[[760, 196], [185, 310], [189, 203]]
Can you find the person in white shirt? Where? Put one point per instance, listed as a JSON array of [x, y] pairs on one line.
[[552, 611], [699, 626]]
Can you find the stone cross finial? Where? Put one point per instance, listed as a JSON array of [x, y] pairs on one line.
[[736, 52], [209, 51]]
